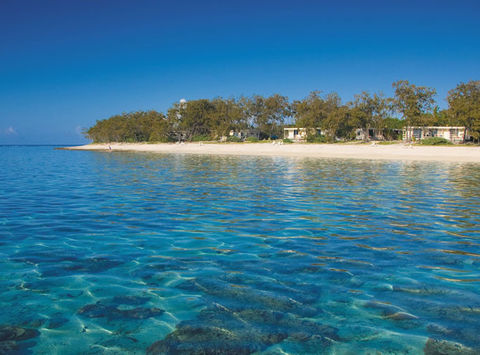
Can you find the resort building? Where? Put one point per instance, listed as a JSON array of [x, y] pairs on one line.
[[453, 134], [368, 134], [299, 134]]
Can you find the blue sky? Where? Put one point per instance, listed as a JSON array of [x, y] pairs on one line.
[[66, 64]]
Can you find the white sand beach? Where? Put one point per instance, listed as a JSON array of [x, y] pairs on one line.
[[347, 151]]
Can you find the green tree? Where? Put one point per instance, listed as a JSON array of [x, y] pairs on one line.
[[268, 114], [127, 127], [464, 106], [191, 119], [228, 114], [161, 129], [310, 112], [338, 122], [369, 111], [412, 102]]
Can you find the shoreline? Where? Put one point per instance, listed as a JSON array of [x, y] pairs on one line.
[[300, 150]]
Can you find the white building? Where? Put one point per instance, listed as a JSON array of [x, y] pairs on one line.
[[453, 134], [299, 134]]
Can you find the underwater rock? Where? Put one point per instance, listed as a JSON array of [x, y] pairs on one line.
[[93, 265], [10, 336], [389, 311], [7, 347], [72, 294], [32, 322], [141, 313], [386, 308], [299, 293], [288, 323], [223, 335], [96, 310], [444, 311], [315, 344], [89, 265], [130, 300], [100, 310], [122, 344], [167, 265], [55, 323], [423, 291], [220, 330], [201, 340], [239, 297], [12, 333], [401, 316], [443, 347], [467, 334], [404, 320], [439, 330]]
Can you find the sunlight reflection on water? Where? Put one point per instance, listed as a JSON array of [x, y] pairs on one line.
[[124, 252]]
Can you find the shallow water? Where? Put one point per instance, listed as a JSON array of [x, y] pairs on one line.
[[123, 252]]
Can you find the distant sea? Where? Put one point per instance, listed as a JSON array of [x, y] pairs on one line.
[[115, 253]]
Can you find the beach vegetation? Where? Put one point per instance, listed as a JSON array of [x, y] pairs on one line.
[[201, 138], [370, 112], [268, 114], [318, 138], [389, 142], [130, 127], [435, 141], [464, 106], [287, 141], [413, 102], [323, 116], [234, 139]]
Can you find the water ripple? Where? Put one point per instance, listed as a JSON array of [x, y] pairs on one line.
[[106, 252]]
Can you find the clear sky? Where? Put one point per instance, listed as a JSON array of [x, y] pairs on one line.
[[66, 63]]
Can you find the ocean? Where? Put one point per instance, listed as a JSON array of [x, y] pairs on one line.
[[106, 252]]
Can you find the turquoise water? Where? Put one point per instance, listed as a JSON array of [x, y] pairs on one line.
[[126, 253]]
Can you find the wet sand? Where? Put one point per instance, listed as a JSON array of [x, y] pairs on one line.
[[347, 151]]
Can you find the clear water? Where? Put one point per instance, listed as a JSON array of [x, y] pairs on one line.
[[121, 252]]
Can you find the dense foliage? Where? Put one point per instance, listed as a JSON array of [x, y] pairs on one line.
[[464, 106], [265, 117], [435, 141], [131, 127]]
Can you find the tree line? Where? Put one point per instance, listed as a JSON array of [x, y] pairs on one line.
[[211, 119]]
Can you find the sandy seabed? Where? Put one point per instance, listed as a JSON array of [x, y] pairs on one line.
[[347, 151]]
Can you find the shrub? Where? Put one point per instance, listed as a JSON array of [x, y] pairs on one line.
[[201, 138], [234, 139], [251, 139], [435, 141], [387, 142], [316, 139], [156, 137], [287, 140]]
